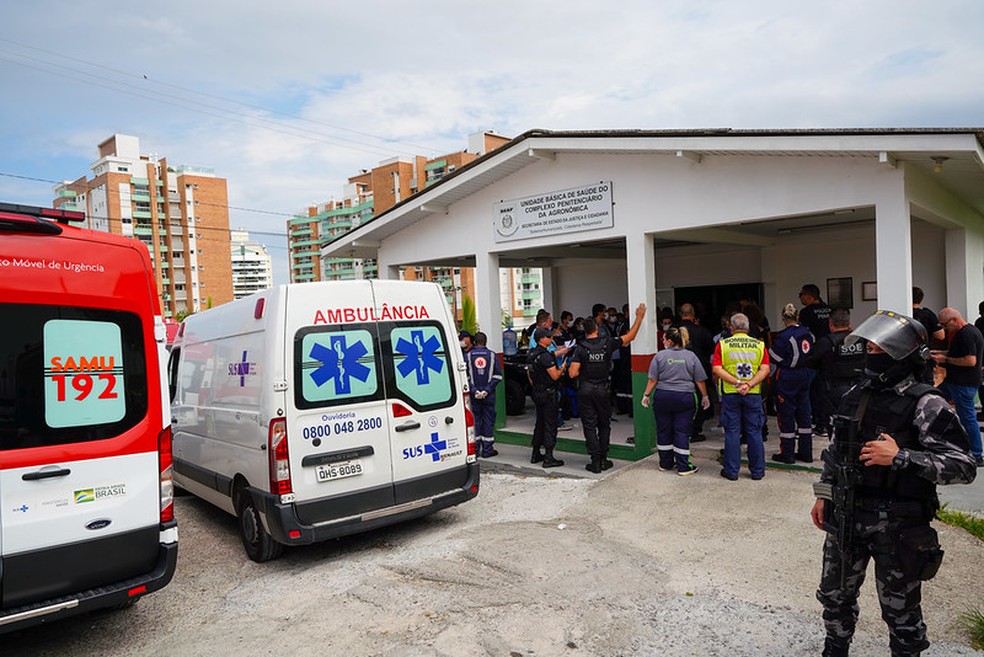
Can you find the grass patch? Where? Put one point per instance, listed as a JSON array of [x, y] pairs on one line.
[[972, 622], [973, 524]]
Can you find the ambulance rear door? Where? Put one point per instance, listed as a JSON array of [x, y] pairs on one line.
[[339, 426]]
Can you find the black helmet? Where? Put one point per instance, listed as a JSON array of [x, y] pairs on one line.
[[897, 335]]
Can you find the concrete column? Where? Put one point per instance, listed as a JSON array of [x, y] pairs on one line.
[[893, 253], [640, 260], [964, 271], [487, 310], [547, 288]]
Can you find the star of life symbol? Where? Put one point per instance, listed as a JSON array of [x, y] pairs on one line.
[[744, 370], [434, 447], [339, 362], [420, 356]]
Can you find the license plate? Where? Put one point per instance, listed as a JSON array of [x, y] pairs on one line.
[[339, 470]]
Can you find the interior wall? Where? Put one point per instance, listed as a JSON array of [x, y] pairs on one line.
[[578, 285]]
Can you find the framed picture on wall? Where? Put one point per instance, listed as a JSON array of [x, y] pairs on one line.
[[840, 292], [869, 291]]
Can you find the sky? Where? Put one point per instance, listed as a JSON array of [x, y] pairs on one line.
[[287, 101]]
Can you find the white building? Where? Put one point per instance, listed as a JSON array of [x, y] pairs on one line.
[[252, 266], [704, 216]]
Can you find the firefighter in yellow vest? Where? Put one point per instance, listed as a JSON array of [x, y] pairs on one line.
[[741, 363]]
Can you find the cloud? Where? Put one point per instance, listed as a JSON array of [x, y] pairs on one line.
[[349, 85]]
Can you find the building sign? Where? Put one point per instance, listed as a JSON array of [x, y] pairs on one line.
[[567, 211]]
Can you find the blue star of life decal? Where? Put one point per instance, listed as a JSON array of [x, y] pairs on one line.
[[420, 356], [339, 362], [435, 447], [744, 370]]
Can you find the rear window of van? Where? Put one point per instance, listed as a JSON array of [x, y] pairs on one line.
[[354, 363], [69, 375]]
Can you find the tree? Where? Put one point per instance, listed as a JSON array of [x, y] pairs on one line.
[[468, 320]]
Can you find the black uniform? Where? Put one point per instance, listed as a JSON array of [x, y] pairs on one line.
[[545, 399], [702, 344], [839, 366], [893, 509], [816, 317], [593, 398]]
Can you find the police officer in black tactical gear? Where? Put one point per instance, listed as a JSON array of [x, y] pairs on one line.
[[592, 364], [909, 441], [545, 375], [839, 366]]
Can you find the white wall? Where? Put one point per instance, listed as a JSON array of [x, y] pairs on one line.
[[581, 284]]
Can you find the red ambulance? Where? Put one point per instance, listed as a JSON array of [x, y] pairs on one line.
[[86, 504]]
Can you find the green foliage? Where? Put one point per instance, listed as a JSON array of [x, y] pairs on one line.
[[181, 314], [973, 524], [507, 320], [469, 321], [972, 621]]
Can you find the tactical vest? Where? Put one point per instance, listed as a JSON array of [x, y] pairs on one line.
[[598, 363], [538, 373], [848, 362], [741, 356], [891, 413]]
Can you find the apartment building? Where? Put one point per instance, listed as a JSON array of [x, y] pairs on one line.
[[181, 213], [252, 266], [372, 192]]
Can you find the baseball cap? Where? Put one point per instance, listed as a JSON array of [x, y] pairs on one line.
[[541, 333]]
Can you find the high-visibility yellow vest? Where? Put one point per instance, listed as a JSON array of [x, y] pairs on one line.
[[741, 356]]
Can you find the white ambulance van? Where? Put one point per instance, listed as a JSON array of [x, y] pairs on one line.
[[315, 410], [86, 513]]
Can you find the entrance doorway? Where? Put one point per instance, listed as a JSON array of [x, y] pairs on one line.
[[712, 301]]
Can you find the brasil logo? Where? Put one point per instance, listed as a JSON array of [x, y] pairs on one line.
[[85, 495]]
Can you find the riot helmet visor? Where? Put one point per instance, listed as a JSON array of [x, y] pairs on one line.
[[897, 335]]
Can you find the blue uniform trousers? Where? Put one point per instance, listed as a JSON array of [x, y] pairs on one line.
[[674, 412], [742, 414], [793, 390], [484, 412]]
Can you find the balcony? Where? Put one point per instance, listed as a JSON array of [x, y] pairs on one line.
[[143, 230], [67, 193]]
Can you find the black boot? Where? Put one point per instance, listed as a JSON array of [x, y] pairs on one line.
[[537, 456], [607, 464], [831, 649], [549, 461], [594, 466]]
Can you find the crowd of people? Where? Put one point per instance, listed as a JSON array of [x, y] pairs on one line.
[[891, 381]]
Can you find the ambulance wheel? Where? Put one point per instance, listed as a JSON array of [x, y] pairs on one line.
[[259, 545], [515, 398]]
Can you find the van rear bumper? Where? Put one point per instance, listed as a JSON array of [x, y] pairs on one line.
[[111, 595], [282, 519]]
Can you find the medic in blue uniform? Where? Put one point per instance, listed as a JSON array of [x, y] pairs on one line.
[[788, 356], [484, 374]]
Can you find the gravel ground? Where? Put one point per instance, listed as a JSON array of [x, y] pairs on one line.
[[638, 563]]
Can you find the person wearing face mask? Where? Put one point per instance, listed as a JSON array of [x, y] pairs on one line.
[[911, 441], [600, 314], [465, 340]]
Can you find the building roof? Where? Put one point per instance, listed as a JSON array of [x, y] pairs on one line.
[[961, 150]]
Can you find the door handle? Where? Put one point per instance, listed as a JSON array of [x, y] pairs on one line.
[[406, 426], [46, 474]]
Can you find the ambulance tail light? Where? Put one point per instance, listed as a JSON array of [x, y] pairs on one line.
[[399, 410], [280, 483], [469, 426], [165, 458]]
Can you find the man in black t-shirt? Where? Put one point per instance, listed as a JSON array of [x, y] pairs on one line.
[[701, 342], [815, 316], [926, 317], [963, 373]]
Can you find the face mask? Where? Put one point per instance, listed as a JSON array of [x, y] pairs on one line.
[[877, 364], [464, 345], [667, 326]]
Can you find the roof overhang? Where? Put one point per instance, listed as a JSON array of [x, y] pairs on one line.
[[954, 156]]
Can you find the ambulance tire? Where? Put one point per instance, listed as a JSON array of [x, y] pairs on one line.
[[515, 397], [259, 545]]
